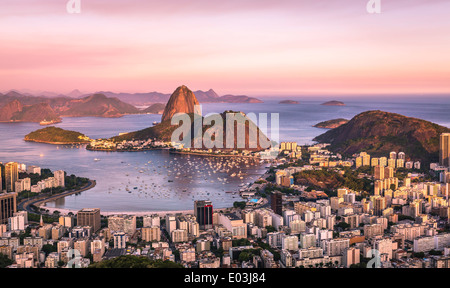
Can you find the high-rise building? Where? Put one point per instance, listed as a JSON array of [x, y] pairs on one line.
[[351, 256], [388, 172], [89, 217], [365, 159], [234, 224], [276, 199], [179, 236], [34, 170], [122, 223], [120, 240], [171, 223], [60, 178], [289, 242], [383, 161], [203, 211], [66, 221], [152, 220], [150, 234], [11, 176], [8, 206], [400, 163], [392, 162], [444, 150], [358, 162], [22, 185], [379, 172], [335, 246], [379, 205], [1, 177]]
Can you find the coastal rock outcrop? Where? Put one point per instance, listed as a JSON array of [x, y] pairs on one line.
[[182, 100]]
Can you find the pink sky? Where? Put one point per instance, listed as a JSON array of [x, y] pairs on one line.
[[253, 47]]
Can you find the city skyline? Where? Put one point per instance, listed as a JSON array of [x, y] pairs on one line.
[[98, 170], [257, 48]]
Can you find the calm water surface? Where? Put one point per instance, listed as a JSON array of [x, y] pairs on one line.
[[157, 180]]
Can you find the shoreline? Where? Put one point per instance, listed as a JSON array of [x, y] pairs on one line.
[[56, 143], [213, 155], [115, 150], [110, 213], [39, 202]]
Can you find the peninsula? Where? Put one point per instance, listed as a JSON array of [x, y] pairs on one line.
[[331, 124], [379, 132]]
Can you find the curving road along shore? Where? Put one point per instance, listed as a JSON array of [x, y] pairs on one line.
[[39, 200], [215, 155]]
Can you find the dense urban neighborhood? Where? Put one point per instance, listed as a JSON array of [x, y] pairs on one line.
[[312, 209]]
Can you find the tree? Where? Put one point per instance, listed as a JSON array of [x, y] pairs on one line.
[[343, 225], [420, 255], [435, 253], [5, 261], [131, 261], [241, 242], [270, 229], [47, 249], [239, 204], [244, 256], [176, 253]]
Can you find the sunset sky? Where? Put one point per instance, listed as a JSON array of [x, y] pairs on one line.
[[252, 47]]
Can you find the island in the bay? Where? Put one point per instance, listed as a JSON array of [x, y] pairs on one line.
[[333, 103], [289, 102], [59, 136], [331, 124]]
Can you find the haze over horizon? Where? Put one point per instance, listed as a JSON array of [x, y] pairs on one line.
[[256, 48]]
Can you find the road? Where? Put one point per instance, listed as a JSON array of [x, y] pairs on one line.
[[25, 204]]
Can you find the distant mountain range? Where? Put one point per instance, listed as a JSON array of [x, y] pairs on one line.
[[21, 107], [140, 99], [157, 108], [15, 111], [210, 96], [15, 107]]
